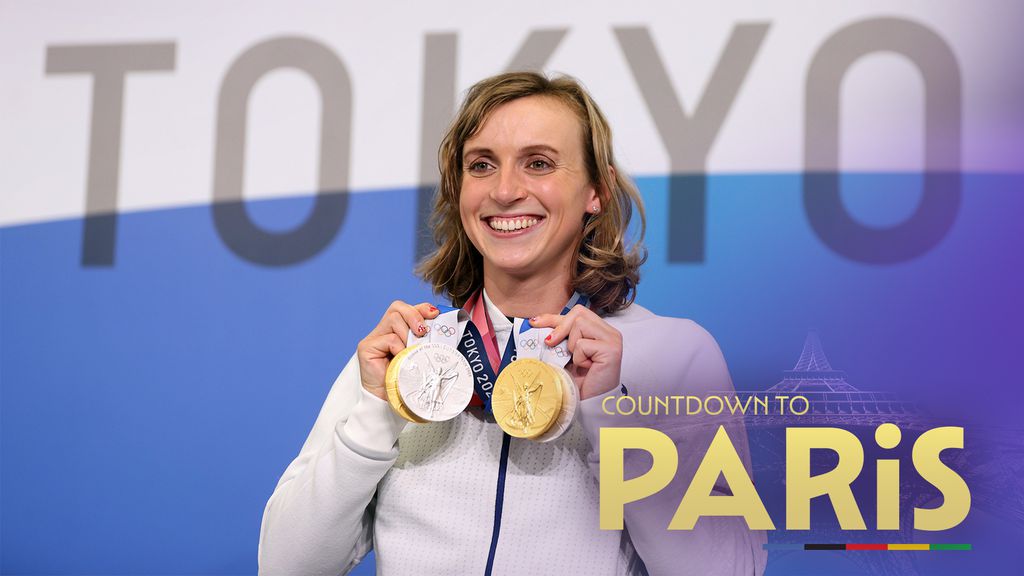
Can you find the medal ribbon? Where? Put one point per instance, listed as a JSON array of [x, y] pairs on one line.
[[485, 373], [530, 340], [447, 328]]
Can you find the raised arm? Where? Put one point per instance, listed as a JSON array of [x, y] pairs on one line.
[[319, 519]]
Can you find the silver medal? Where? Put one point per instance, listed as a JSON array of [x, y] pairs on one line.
[[435, 382]]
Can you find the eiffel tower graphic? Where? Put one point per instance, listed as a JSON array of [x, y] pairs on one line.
[[991, 462], [833, 400]]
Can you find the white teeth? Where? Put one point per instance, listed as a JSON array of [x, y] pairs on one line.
[[511, 224]]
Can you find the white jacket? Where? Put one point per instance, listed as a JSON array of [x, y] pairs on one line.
[[426, 496]]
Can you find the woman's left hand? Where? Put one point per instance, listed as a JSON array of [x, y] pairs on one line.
[[596, 348]]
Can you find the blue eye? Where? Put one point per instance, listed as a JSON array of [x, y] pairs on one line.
[[478, 166]]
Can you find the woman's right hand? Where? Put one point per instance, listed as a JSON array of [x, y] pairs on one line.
[[388, 339]]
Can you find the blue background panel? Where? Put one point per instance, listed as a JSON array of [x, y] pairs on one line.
[[149, 408]]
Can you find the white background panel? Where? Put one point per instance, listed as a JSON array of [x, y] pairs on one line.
[[170, 117]]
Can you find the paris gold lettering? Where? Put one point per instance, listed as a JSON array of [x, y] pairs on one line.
[[722, 460]]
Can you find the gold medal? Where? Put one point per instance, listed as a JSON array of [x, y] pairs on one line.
[[527, 398], [570, 400], [391, 386]]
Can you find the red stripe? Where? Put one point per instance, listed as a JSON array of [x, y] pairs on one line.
[[867, 546], [483, 324]]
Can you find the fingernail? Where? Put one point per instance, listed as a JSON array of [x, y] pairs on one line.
[[432, 309], [533, 319], [548, 339], [421, 328]]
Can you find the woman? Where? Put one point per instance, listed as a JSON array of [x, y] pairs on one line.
[[531, 211]]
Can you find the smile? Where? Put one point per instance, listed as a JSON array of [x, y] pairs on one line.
[[512, 224]]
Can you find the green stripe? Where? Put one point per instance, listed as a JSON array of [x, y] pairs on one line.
[[950, 547]]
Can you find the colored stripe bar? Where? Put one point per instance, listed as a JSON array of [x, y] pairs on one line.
[[867, 546], [950, 546], [783, 546], [862, 546]]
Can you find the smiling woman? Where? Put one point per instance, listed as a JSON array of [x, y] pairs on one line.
[[525, 194], [525, 148], [530, 221]]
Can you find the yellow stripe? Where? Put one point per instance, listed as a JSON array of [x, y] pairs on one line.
[[908, 547]]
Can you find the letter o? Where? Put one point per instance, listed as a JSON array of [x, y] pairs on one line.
[[618, 405], [940, 200], [230, 217]]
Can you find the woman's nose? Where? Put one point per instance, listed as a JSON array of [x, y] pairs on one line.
[[510, 187]]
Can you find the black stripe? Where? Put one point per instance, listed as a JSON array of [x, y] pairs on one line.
[[824, 546], [499, 499]]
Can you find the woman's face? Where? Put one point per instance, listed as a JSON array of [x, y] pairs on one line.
[[525, 187]]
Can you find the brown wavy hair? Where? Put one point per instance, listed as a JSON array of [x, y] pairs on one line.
[[606, 269]]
